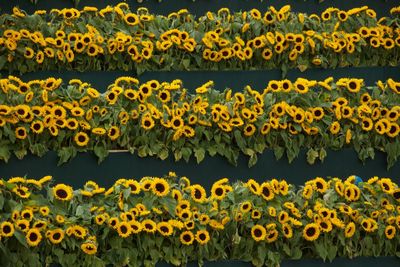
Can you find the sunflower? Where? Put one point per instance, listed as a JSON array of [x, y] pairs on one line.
[[37, 127], [202, 237], [349, 230], [114, 132], [63, 192], [256, 214], [113, 222], [22, 225], [55, 236], [266, 191], [147, 122], [27, 214], [99, 219], [20, 133], [249, 130], [272, 235], [33, 237], [325, 226], [301, 86], [258, 232], [149, 226], [124, 229], [334, 128], [283, 217], [160, 187], [21, 191], [6, 229], [198, 193], [367, 124], [165, 228], [311, 232], [320, 185], [186, 238], [245, 206], [253, 186], [133, 185], [390, 231], [218, 191], [287, 230], [29, 53], [177, 122], [89, 248], [136, 227], [60, 219], [354, 85], [396, 195], [81, 139]]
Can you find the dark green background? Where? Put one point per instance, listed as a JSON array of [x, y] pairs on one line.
[[199, 7]]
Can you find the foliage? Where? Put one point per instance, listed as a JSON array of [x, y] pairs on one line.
[[162, 118], [115, 38], [168, 219]]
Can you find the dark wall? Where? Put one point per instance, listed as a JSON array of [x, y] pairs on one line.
[[199, 7]]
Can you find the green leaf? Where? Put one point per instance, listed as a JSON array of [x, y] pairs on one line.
[[1, 201], [21, 238], [312, 155], [5, 153], [278, 151], [321, 250], [100, 151], [199, 153]]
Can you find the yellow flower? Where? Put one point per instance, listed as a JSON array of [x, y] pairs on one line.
[[63, 192], [89, 248], [287, 230], [198, 193], [20, 133], [81, 139], [149, 226], [311, 232], [33, 237], [124, 229], [202, 237], [266, 191], [218, 191], [390, 231], [354, 85], [186, 238], [147, 122], [349, 230], [160, 187], [6, 229], [165, 228], [21, 191], [113, 132], [334, 128], [55, 236], [258, 232]]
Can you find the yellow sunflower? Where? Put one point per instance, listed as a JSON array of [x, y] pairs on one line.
[[81, 139], [186, 238], [55, 236], [160, 187], [33, 237], [202, 237], [258, 232], [165, 228], [89, 248], [149, 226], [114, 132], [198, 193], [390, 231], [266, 191], [311, 232], [63, 192], [6, 229], [124, 229]]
